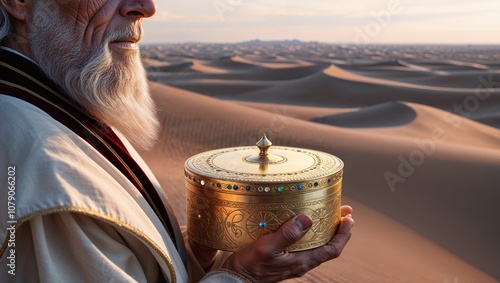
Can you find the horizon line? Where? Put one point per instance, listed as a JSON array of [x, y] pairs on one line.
[[312, 41]]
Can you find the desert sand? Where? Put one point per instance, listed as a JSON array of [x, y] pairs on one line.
[[417, 128]]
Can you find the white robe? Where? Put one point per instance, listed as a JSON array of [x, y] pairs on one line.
[[79, 219]]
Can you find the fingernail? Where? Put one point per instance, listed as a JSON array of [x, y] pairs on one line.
[[304, 222]]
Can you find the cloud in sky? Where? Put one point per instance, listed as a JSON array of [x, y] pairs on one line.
[[342, 21]]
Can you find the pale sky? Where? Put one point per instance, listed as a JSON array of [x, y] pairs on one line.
[[340, 21]]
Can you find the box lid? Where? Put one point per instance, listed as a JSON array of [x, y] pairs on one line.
[[241, 169]]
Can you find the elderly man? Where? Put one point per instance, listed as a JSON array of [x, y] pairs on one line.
[[78, 203]]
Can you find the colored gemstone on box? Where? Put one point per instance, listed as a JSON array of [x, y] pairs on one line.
[[235, 187], [299, 187], [229, 187], [248, 188], [281, 188], [262, 224]]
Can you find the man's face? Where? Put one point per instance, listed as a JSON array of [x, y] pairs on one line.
[[89, 48], [94, 20]]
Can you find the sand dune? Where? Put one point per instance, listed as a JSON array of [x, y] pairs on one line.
[[388, 114], [474, 94], [295, 111], [278, 62], [339, 73], [398, 119], [420, 68], [200, 66], [423, 181]]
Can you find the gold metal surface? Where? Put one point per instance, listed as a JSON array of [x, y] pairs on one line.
[[236, 195]]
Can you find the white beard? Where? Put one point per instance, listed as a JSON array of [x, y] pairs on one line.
[[115, 92]]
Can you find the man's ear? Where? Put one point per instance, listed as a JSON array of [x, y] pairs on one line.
[[17, 9]]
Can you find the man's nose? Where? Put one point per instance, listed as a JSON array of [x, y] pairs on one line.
[[138, 8]]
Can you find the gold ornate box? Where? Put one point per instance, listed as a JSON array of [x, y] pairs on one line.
[[236, 195]]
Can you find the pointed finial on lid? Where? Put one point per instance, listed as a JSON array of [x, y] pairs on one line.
[[264, 144], [264, 158]]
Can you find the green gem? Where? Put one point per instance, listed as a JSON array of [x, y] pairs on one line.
[[229, 187], [280, 188]]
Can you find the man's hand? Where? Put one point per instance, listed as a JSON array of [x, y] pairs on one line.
[[266, 260]]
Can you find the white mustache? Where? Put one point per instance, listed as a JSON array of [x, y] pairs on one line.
[[124, 35]]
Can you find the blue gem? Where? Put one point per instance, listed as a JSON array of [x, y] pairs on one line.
[[235, 187], [262, 224], [316, 184], [247, 188], [281, 188], [329, 181], [299, 187]]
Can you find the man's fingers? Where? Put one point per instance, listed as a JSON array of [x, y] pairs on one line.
[[301, 262], [295, 228], [289, 233], [334, 248], [345, 210]]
